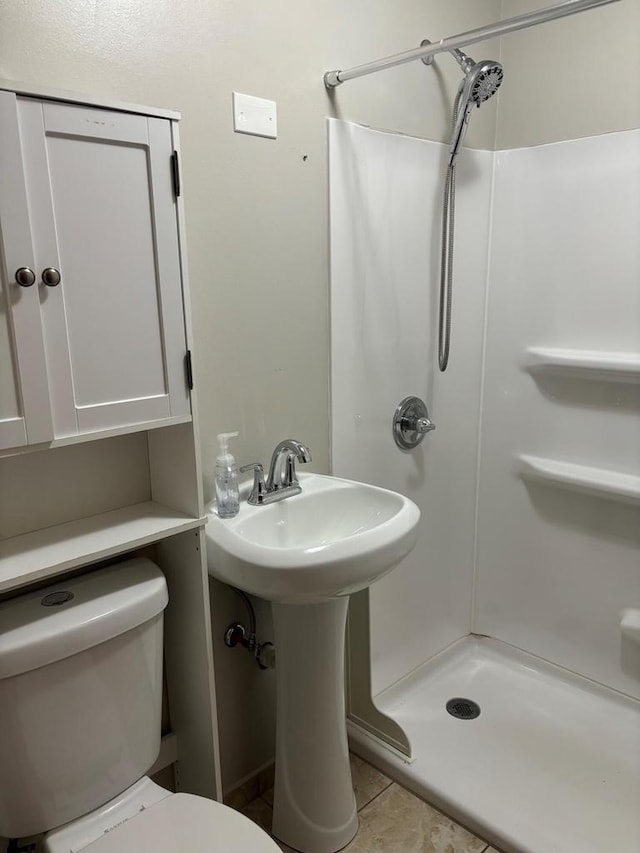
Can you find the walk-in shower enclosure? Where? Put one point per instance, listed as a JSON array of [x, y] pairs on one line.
[[525, 583]]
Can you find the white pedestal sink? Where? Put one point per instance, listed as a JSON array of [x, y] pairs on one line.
[[306, 554]]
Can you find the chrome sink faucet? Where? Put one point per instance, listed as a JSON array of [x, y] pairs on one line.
[[282, 481]]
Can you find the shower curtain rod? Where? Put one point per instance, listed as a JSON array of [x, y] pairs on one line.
[[510, 25]]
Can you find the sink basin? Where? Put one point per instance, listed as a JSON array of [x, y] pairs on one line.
[[306, 554], [334, 538]]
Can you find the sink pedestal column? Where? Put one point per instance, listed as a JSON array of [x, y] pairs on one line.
[[314, 808]]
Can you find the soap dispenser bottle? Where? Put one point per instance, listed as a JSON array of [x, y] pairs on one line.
[[226, 477]]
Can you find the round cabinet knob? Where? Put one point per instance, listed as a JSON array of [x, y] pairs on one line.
[[25, 276], [50, 276]]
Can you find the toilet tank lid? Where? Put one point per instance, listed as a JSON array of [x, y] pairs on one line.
[[75, 614]]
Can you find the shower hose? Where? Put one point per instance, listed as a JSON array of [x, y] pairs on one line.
[[446, 256]]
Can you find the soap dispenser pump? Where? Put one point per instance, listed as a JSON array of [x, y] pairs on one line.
[[226, 477]]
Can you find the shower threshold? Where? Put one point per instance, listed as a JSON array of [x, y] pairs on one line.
[[550, 765]]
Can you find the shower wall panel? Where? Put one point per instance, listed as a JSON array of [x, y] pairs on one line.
[[559, 532], [385, 192]]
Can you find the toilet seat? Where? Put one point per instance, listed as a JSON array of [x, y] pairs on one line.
[[184, 822]]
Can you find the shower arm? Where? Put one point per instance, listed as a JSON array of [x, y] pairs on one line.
[[510, 25]]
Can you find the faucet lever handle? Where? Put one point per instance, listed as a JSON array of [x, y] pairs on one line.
[[258, 490], [422, 425]]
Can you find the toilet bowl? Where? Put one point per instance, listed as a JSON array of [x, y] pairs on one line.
[[148, 819], [80, 706]]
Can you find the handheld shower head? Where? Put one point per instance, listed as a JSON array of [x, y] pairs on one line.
[[481, 81], [483, 78]]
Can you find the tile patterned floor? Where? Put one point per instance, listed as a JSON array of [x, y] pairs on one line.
[[391, 819]]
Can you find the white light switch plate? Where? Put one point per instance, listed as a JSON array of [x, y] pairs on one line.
[[254, 115]]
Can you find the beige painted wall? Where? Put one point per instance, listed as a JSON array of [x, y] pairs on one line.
[[579, 76], [256, 209]]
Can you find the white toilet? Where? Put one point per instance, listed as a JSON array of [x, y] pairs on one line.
[[80, 705]]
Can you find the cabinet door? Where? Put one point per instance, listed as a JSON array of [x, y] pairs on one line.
[[25, 414], [103, 214]]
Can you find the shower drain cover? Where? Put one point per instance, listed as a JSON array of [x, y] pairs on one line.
[[463, 709]]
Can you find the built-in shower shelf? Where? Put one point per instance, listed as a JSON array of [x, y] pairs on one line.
[[584, 364], [51, 551], [599, 482]]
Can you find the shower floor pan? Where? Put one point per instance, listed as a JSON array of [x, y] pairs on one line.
[[551, 764]]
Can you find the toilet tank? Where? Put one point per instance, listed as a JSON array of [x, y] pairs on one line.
[[80, 693]]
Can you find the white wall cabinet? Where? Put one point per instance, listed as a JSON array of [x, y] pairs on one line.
[[98, 438], [87, 194]]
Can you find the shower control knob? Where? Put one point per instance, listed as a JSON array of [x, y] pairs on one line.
[[25, 276], [421, 425], [411, 423]]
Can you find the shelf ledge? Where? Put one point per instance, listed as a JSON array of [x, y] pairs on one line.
[[82, 437], [598, 482], [584, 364], [45, 553]]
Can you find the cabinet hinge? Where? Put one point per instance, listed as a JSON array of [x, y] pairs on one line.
[[188, 369], [175, 173]]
